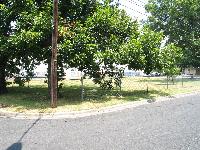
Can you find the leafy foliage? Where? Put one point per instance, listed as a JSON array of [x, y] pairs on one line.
[[25, 29], [151, 44], [94, 37], [179, 20], [171, 57], [142, 53], [94, 46]]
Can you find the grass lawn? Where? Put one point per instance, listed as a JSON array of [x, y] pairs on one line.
[[35, 97]]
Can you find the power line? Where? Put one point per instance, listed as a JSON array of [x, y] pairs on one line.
[[139, 1], [133, 2], [141, 6], [134, 10]]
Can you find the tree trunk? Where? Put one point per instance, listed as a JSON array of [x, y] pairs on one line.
[[3, 88], [173, 80]]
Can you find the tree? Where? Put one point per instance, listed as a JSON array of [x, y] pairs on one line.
[[25, 30], [179, 21], [143, 52], [170, 58], [151, 44], [92, 35], [10, 55], [94, 46]]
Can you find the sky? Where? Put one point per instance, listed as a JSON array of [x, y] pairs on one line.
[[134, 8]]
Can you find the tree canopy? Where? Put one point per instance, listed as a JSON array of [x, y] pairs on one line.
[[25, 28], [98, 40], [170, 59], [179, 21], [92, 34], [10, 56]]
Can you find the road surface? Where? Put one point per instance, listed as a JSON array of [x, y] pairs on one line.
[[168, 125]]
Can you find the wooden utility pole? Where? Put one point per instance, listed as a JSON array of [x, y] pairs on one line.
[[54, 81]]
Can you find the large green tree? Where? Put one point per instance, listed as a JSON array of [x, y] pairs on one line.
[[91, 34], [97, 41], [25, 28], [151, 44], [179, 20], [10, 56], [143, 52]]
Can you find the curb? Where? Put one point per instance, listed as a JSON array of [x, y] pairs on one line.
[[87, 113]]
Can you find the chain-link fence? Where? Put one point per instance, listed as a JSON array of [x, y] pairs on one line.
[[136, 85], [86, 89], [163, 83]]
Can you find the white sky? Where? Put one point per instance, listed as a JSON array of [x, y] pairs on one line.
[[134, 8]]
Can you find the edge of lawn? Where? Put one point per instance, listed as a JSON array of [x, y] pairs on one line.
[[84, 113]]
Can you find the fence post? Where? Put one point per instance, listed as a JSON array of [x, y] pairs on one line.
[[167, 81], [182, 80], [82, 89], [120, 86], [148, 84]]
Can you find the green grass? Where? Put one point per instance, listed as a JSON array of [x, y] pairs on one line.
[[35, 97]]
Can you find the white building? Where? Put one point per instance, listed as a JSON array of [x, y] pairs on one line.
[[192, 71]]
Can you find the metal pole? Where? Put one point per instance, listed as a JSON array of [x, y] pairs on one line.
[[167, 81], [54, 56], [82, 89], [148, 84], [182, 80]]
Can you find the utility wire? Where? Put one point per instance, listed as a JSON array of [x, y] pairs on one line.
[[136, 3], [139, 4], [130, 8], [133, 1]]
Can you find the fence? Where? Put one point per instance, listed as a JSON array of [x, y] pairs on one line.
[[86, 89], [144, 85]]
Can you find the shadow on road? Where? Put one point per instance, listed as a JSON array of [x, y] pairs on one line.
[[18, 145], [15, 146]]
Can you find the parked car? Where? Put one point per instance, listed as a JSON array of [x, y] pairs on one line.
[[155, 74]]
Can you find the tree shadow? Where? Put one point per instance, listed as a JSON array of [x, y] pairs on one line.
[[36, 97], [136, 95], [18, 144], [72, 95], [15, 146]]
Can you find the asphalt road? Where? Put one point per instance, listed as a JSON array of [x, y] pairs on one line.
[[167, 125]]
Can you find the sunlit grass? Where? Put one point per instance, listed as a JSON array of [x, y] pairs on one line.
[[35, 97]]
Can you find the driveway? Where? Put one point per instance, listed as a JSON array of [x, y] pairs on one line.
[[168, 125]]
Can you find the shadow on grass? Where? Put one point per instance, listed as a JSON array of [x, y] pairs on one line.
[[97, 95], [142, 94], [72, 95], [37, 97], [24, 97]]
